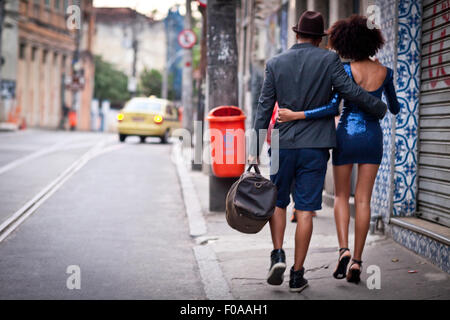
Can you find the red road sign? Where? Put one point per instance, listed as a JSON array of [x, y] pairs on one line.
[[187, 39], [202, 2]]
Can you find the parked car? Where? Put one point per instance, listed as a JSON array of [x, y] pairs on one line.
[[148, 117]]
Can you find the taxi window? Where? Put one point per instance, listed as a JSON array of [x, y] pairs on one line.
[[143, 105]]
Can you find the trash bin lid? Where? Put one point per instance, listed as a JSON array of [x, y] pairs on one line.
[[226, 114]]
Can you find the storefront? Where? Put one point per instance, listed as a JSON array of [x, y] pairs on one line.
[[433, 201], [411, 194]]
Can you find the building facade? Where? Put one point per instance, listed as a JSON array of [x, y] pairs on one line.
[[40, 49], [411, 197], [116, 28]]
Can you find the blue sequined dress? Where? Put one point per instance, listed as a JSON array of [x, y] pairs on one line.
[[359, 135]]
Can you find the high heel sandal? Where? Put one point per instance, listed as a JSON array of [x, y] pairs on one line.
[[354, 275], [341, 269]]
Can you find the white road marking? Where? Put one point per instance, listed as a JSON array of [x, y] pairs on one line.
[[11, 224], [34, 155]]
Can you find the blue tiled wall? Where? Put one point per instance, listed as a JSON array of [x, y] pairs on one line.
[[395, 190], [408, 92]]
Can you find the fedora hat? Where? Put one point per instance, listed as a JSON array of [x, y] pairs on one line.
[[310, 23]]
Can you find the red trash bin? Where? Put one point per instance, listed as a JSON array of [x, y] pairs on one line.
[[227, 136]]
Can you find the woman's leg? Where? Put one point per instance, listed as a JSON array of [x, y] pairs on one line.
[[342, 175], [367, 174]]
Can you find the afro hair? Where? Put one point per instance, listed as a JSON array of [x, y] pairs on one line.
[[353, 39]]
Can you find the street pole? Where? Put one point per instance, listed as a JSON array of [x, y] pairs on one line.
[[186, 97], [222, 81], [76, 64], [165, 80], [2, 17], [198, 166], [135, 45]]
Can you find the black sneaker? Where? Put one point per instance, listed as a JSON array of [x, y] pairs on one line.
[[277, 267], [297, 282]]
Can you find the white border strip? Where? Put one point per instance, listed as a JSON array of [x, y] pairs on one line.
[[214, 283], [197, 224]]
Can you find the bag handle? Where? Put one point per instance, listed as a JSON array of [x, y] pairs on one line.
[[255, 166]]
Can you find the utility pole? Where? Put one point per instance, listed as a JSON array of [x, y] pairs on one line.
[[76, 70], [165, 80], [186, 97], [134, 45], [222, 81], [2, 18], [197, 165]]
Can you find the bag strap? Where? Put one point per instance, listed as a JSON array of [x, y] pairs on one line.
[[255, 166]]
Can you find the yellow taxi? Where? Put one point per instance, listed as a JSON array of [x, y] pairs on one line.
[[148, 117]]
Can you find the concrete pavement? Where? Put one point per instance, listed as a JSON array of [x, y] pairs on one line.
[[244, 260], [120, 219]]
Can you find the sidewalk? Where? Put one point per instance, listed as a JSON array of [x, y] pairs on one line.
[[244, 261]]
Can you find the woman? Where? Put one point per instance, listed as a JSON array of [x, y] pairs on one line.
[[359, 135]]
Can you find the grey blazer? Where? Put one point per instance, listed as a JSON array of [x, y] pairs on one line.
[[303, 78]]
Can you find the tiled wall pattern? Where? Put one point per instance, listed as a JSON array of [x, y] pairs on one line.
[[382, 192], [408, 92], [438, 253], [397, 177]]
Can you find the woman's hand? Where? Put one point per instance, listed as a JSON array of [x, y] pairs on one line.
[[286, 115]]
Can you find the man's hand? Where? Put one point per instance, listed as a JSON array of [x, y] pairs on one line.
[[286, 115], [253, 160]]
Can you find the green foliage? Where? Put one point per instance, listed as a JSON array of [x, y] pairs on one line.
[[150, 82], [110, 83]]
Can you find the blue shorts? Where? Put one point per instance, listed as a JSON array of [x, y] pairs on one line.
[[307, 167]]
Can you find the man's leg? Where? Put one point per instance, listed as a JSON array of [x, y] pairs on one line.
[[310, 177], [278, 227], [302, 237], [282, 179]]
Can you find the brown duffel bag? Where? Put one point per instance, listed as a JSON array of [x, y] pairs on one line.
[[250, 202]]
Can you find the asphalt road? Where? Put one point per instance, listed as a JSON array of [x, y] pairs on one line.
[[119, 219]]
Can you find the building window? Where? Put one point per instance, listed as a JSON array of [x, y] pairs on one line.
[[33, 53], [47, 3], [66, 4], [44, 56], [22, 49], [57, 4]]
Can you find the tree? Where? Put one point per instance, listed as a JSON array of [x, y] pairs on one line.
[[150, 82], [110, 83]]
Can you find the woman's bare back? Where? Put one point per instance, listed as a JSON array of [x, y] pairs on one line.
[[368, 74]]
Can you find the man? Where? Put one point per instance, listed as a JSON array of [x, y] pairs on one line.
[[301, 79]]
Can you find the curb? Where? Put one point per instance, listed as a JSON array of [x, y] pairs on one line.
[[214, 283], [197, 224], [8, 127]]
